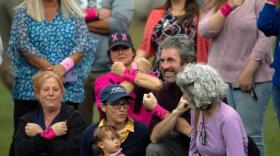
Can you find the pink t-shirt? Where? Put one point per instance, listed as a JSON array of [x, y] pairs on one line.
[[101, 82]]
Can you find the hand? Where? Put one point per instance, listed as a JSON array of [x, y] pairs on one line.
[[182, 106], [245, 81], [118, 68], [143, 65], [104, 13], [59, 69], [32, 129], [59, 128], [149, 101], [235, 3]]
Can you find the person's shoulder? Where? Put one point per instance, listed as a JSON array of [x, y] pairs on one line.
[[228, 113], [20, 12], [140, 127], [29, 116]]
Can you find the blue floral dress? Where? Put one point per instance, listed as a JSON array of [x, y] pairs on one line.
[[54, 41]]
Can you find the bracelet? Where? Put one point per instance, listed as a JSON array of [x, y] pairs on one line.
[[130, 75], [67, 63], [160, 112], [48, 133], [226, 9], [90, 14], [272, 1]]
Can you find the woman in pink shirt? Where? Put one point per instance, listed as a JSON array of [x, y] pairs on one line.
[[241, 55], [132, 76]]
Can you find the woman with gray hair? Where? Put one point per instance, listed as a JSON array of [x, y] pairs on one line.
[[217, 129]]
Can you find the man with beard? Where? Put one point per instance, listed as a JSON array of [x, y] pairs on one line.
[[170, 134]]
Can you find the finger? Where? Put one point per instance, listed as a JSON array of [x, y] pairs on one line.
[[151, 95]]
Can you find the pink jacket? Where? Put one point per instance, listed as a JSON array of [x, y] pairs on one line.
[[101, 82]]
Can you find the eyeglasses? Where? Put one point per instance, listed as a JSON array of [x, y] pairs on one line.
[[118, 104], [202, 133]]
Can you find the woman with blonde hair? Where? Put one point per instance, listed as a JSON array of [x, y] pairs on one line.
[[53, 128], [48, 35]]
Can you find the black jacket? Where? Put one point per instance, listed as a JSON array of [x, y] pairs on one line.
[[66, 145]]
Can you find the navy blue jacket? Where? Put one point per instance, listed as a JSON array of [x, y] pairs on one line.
[[269, 23], [134, 145], [65, 145]]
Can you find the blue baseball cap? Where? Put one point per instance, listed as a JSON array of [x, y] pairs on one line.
[[113, 93]]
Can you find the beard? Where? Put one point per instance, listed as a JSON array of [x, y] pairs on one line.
[[169, 75]]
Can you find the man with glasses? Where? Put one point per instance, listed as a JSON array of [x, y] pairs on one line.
[[170, 133], [114, 105]]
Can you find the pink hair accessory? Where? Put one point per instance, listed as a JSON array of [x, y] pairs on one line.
[[160, 112], [226, 9], [90, 14], [48, 133], [67, 63]]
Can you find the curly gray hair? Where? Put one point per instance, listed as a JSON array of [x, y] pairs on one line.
[[203, 83]]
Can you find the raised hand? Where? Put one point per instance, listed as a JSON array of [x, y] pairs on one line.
[[59, 128], [32, 129], [118, 68], [149, 101], [59, 69], [104, 13], [235, 3], [182, 106], [143, 65]]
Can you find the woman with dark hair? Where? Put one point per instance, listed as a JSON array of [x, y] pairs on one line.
[[135, 80], [175, 17], [115, 103], [242, 55]]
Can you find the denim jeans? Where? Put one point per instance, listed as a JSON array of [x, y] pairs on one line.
[[252, 111], [276, 101]]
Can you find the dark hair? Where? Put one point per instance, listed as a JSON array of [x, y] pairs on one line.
[[191, 8], [211, 4]]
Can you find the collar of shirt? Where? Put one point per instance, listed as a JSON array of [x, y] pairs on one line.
[[129, 127]]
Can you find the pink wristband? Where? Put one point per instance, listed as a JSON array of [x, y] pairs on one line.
[[90, 14], [67, 63], [134, 66], [160, 112], [48, 133], [130, 75], [272, 1], [226, 9]]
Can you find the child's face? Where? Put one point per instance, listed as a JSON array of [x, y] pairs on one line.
[[110, 143]]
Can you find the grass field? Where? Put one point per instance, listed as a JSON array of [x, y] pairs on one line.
[[271, 131]]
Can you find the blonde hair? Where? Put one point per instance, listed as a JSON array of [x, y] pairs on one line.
[[35, 9], [41, 77]]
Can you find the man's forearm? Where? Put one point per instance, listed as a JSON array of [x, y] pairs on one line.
[[99, 26], [183, 127], [164, 127]]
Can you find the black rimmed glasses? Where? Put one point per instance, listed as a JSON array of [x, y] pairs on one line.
[[120, 103], [202, 133]]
